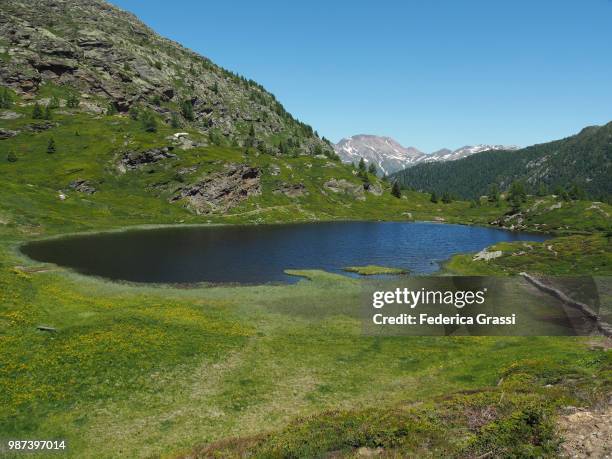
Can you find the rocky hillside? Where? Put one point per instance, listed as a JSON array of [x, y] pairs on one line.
[[580, 162], [390, 156], [111, 59]]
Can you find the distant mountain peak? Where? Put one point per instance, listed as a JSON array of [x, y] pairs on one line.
[[390, 156], [385, 152]]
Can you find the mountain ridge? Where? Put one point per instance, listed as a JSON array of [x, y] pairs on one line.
[[583, 160], [390, 156], [113, 58]]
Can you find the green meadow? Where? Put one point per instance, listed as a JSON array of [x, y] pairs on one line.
[[270, 370]]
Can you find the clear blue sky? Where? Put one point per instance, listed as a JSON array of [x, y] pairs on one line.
[[430, 73]]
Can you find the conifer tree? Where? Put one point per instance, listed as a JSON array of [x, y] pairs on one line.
[[37, 112], [6, 100], [51, 146], [174, 121], [396, 190], [187, 110], [134, 113], [493, 196], [517, 195], [362, 166], [111, 109]]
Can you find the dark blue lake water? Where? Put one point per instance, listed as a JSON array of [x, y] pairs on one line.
[[257, 254]]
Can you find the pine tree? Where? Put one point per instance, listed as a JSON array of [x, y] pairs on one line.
[[542, 190], [48, 113], [187, 110], [434, 197], [362, 166], [576, 193], [517, 195], [11, 157], [6, 100], [396, 190], [51, 146], [111, 109], [282, 147], [446, 198], [133, 112], [174, 121], [37, 112], [493, 196], [372, 169]]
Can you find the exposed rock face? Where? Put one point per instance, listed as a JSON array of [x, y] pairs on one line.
[[82, 186], [223, 190], [7, 133], [135, 159], [292, 191], [9, 115], [112, 55], [486, 255], [39, 127], [344, 186]]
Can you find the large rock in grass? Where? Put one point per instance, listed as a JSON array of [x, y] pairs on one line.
[[222, 190], [344, 186], [135, 159]]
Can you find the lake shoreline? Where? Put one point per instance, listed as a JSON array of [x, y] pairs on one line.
[[205, 254]]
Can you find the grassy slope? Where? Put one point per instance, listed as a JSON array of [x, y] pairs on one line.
[[136, 370], [563, 256]]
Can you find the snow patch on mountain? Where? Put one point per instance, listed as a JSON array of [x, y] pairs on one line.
[[390, 156]]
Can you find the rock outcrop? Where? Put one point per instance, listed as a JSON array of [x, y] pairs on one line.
[[7, 133], [82, 186], [135, 159], [292, 190], [344, 186], [222, 190]]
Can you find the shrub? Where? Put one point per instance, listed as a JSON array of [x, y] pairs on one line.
[[111, 109], [72, 101], [134, 112], [149, 123], [37, 112]]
